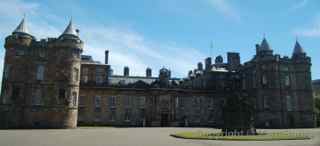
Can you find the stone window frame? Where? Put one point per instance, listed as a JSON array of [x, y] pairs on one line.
[[289, 103], [112, 101], [20, 52], [113, 115], [177, 101], [264, 79], [97, 103], [211, 115], [85, 74], [127, 114], [142, 101], [36, 99], [265, 102], [81, 102], [127, 101], [287, 81], [40, 72], [7, 69], [99, 75], [75, 74], [75, 98]]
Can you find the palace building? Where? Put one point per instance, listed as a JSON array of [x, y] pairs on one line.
[[48, 83]]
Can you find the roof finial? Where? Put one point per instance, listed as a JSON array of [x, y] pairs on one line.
[[22, 27], [211, 47], [70, 29]]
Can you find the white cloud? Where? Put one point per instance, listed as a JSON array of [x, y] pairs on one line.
[[298, 5], [9, 8], [129, 48], [226, 9], [312, 30]]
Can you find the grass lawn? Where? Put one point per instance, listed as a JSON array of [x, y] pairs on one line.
[[260, 137]]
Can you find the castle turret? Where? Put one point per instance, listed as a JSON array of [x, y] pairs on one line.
[[41, 84], [20, 38], [298, 51], [264, 48]]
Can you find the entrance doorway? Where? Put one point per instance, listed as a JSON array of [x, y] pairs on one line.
[[164, 120]]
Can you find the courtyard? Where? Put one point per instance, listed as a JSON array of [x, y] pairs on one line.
[[111, 136]]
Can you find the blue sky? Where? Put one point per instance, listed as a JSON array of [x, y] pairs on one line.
[[172, 33]]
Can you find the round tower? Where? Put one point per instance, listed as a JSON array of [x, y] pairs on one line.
[[15, 82], [41, 80], [66, 62]]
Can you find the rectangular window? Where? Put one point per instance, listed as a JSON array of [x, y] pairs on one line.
[[62, 93], [20, 52], [177, 102], [127, 115], [100, 75], [265, 102], [142, 113], [40, 72], [15, 93], [126, 101], [289, 103], [75, 74], [75, 98], [99, 79], [81, 101], [287, 80], [264, 80], [97, 102], [7, 71], [85, 75], [211, 115], [113, 115], [142, 101], [36, 98], [112, 102]]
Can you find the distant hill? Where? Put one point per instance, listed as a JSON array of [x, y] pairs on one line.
[[316, 82]]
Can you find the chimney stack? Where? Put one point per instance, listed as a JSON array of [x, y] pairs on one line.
[[148, 72], [106, 53], [208, 63], [126, 71], [200, 66]]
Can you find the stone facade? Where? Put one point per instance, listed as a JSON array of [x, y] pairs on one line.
[[49, 84], [41, 81]]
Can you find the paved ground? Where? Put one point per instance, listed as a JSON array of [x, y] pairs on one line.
[[105, 136]]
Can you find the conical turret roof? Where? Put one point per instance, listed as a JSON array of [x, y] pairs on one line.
[[298, 49], [265, 45], [70, 30], [22, 27]]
